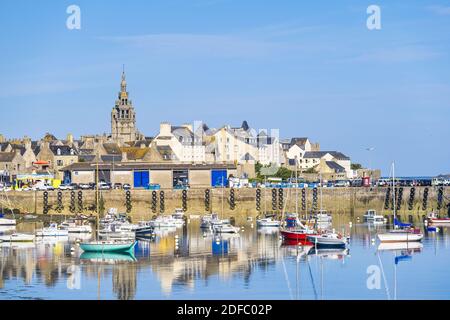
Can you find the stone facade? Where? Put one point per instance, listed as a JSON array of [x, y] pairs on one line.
[[123, 117]]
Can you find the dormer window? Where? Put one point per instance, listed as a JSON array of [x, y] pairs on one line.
[[58, 152]]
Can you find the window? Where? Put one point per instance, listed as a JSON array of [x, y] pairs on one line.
[[59, 163]]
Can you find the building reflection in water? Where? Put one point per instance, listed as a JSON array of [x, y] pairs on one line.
[[177, 258]]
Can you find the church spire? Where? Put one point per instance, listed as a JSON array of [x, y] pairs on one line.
[[123, 84]]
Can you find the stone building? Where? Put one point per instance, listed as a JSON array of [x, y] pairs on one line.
[[11, 164], [123, 117]]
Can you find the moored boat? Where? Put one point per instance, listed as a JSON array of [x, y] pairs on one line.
[[268, 222], [328, 240], [52, 231], [108, 246], [7, 222], [433, 218], [372, 217], [225, 228], [400, 235], [17, 237]]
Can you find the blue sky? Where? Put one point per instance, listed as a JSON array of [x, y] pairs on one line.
[[308, 68]]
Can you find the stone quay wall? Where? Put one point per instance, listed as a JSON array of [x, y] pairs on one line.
[[346, 202]]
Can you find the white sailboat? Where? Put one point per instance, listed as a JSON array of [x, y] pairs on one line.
[[17, 237], [224, 226], [399, 235]]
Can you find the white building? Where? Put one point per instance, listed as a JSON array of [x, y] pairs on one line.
[[187, 146]]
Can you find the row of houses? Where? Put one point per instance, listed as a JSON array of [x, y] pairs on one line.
[[189, 146]]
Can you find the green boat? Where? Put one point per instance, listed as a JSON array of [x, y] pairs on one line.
[[108, 246]]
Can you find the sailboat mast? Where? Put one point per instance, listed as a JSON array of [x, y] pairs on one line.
[[296, 186], [394, 192], [97, 194]]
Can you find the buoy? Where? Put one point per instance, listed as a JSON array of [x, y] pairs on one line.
[[373, 240]]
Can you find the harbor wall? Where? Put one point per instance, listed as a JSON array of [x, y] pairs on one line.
[[346, 202]]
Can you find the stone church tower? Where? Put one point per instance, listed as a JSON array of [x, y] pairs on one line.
[[123, 117]]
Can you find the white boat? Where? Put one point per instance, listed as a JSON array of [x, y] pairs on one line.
[[407, 234], [386, 246], [323, 216], [52, 231], [268, 222], [433, 219], [225, 228], [7, 222], [4, 229], [178, 214], [166, 222], [72, 227], [328, 240], [372, 216], [17, 237], [399, 235]]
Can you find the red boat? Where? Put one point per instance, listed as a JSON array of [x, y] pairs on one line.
[[296, 235]]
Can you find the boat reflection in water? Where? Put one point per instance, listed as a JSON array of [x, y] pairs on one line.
[[107, 257]]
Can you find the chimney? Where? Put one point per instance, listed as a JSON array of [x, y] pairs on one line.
[[124, 157], [165, 129], [70, 138]]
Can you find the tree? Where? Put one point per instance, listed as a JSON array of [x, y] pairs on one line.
[[355, 166], [310, 170], [284, 173]]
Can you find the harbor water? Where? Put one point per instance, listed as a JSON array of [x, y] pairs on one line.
[[187, 263]]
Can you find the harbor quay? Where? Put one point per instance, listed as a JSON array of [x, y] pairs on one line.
[[240, 204]]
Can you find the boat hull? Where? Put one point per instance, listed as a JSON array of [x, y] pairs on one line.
[[291, 235], [323, 242], [400, 237], [107, 247], [17, 238], [7, 222]]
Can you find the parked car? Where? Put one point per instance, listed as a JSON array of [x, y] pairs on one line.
[[44, 187], [104, 186], [74, 186], [126, 186], [117, 186], [342, 183], [84, 186], [64, 187]]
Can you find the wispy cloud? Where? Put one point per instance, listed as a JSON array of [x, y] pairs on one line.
[[407, 53], [230, 46], [440, 10]]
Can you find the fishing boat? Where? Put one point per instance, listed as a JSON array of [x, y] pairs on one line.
[[17, 237], [371, 216], [433, 218], [108, 246], [52, 231], [402, 232], [328, 240]]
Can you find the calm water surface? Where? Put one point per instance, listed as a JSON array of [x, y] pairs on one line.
[[251, 265]]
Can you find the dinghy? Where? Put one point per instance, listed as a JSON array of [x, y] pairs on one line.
[[108, 246]]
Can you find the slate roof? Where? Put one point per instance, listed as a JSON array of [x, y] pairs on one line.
[[64, 150], [336, 167], [320, 154], [298, 141], [6, 156]]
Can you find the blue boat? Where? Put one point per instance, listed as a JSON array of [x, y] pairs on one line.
[[108, 246]]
